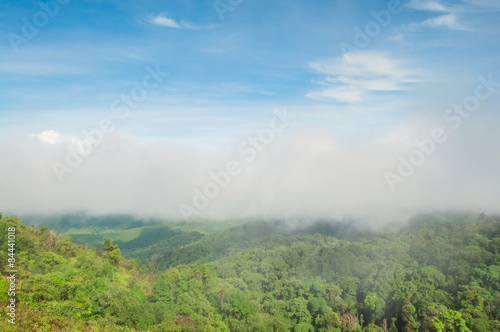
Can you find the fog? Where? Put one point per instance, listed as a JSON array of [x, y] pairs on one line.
[[305, 172]]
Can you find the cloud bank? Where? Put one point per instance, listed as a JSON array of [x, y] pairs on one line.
[[304, 173]]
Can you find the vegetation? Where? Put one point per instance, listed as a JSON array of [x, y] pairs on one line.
[[434, 275]]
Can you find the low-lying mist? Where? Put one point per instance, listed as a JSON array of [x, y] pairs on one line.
[[304, 173]]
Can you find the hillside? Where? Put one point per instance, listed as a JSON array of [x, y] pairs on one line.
[[434, 275]]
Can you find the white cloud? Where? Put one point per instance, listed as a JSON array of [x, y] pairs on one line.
[[354, 76], [450, 15], [427, 5], [348, 94], [449, 21], [49, 136], [164, 21]]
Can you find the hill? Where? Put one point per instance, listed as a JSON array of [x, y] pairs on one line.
[[435, 275]]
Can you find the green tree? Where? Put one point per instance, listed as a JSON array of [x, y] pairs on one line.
[[450, 321], [108, 245], [375, 305]]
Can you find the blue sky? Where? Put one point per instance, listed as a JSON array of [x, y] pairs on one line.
[[227, 73]]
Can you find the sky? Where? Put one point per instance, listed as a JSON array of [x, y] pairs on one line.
[[126, 106]]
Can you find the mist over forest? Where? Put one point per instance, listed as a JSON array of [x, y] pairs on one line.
[[303, 173]]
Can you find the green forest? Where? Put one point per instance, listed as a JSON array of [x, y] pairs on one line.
[[437, 273]]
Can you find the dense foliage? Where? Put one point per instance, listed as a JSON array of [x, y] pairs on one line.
[[432, 276]]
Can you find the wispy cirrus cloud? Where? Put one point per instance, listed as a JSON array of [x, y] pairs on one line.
[[490, 5], [164, 21], [451, 17], [427, 5], [462, 7], [450, 21], [355, 77]]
